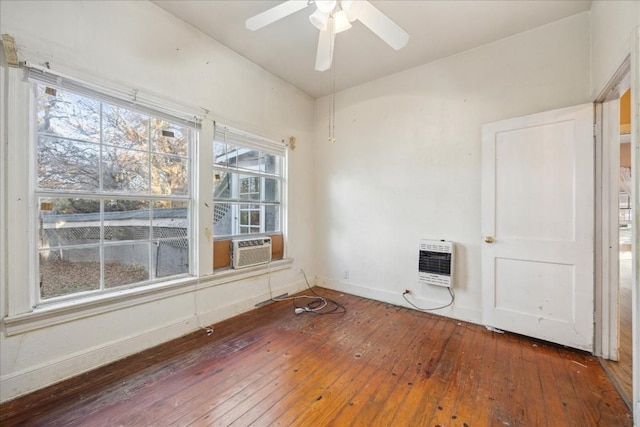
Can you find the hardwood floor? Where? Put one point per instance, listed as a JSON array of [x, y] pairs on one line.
[[620, 371], [376, 365]]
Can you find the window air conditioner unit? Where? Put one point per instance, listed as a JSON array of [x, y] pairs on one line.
[[435, 264], [250, 252]]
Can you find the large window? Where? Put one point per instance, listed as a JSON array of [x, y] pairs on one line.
[[248, 184], [113, 192]]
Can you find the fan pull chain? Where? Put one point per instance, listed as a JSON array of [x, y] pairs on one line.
[[333, 101], [332, 110]]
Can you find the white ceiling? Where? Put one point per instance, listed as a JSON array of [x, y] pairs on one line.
[[438, 28]]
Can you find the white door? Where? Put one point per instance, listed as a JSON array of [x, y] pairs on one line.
[[538, 225]]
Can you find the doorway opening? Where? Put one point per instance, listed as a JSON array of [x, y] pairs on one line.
[[617, 236]]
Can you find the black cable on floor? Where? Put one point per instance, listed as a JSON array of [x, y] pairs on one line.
[[453, 298]]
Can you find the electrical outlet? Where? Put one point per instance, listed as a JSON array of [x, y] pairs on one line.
[[345, 275]]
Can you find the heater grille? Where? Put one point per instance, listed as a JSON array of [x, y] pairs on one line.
[[250, 252], [435, 263]]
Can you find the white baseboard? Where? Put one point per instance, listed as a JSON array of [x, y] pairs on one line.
[[466, 314]]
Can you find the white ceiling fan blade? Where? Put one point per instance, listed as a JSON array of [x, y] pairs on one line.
[[270, 16], [382, 26], [324, 55]]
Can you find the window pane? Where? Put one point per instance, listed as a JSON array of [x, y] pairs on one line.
[[67, 271], [68, 221], [249, 188], [222, 185], [67, 165], [222, 219], [219, 153], [125, 128], [125, 264], [169, 175], [126, 219], [255, 218], [271, 190], [248, 159], [125, 170], [225, 154], [271, 164], [169, 219], [250, 216], [67, 115], [171, 257], [169, 138], [272, 218]]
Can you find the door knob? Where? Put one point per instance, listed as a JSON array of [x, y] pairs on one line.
[[488, 239]]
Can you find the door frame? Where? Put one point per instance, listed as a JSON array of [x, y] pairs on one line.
[[635, 162], [607, 164], [603, 318]]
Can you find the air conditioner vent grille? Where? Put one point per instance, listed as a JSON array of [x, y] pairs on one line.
[[250, 252]]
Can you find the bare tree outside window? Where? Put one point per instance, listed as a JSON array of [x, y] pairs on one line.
[[113, 191]]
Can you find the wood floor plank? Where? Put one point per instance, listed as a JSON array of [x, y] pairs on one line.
[[367, 395], [459, 387], [297, 369], [298, 365], [620, 371], [373, 358], [423, 361], [190, 371], [229, 393], [474, 407], [195, 385], [556, 411], [284, 345], [312, 388], [589, 378], [376, 365], [432, 391], [380, 406]]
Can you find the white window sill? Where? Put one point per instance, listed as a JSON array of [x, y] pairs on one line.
[[57, 313]]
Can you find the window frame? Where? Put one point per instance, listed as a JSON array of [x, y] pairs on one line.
[[242, 140], [101, 194]]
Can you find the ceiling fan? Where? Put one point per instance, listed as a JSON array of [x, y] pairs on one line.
[[332, 17]]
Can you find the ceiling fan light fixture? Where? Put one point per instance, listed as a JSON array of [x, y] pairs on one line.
[[341, 21], [326, 6], [319, 19], [332, 17]]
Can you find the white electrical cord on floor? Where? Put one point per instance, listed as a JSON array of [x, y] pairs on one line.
[[317, 304]]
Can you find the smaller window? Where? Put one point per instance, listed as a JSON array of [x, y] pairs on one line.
[[248, 184]]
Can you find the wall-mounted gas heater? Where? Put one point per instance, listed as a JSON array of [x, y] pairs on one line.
[[436, 262], [250, 252]]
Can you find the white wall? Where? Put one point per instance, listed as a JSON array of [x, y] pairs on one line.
[[612, 29], [134, 44], [406, 161]]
